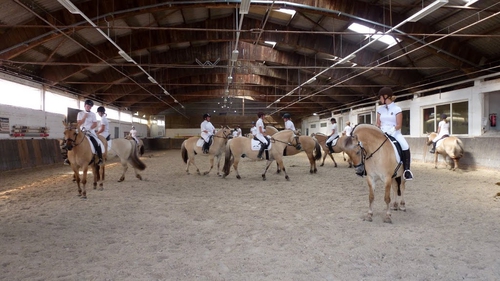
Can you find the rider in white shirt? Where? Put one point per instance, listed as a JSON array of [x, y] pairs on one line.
[[333, 135], [442, 132], [104, 125], [207, 131], [261, 134], [87, 122], [288, 122]]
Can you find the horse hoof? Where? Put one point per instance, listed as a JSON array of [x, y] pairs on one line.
[[335, 165], [368, 219], [287, 178], [387, 220], [321, 165], [139, 177], [238, 177]]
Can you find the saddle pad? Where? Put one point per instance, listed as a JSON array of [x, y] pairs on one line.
[[334, 142], [99, 142], [398, 158], [255, 145], [109, 144], [439, 142], [200, 142]]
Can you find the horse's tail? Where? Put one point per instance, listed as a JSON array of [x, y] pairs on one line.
[[227, 159], [317, 149], [134, 158], [141, 150], [459, 149], [184, 152]]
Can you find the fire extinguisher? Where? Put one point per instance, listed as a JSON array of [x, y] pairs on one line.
[[493, 120]]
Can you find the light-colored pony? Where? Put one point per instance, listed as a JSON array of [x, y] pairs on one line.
[[321, 138], [308, 144], [450, 146], [372, 153], [238, 148], [126, 150], [140, 145], [80, 156], [189, 149]]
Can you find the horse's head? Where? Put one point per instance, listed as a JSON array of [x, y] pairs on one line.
[[70, 133], [431, 137], [225, 132], [355, 150], [270, 130]]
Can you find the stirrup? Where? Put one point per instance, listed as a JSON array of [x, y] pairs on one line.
[[410, 176], [99, 163], [432, 151]]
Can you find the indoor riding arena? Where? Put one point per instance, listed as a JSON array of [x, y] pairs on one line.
[[157, 75]]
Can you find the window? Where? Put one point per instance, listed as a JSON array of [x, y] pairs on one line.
[[459, 123], [405, 127], [323, 125], [365, 118], [313, 126], [16, 94]]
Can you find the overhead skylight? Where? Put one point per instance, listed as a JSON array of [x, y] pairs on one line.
[[469, 2], [288, 11], [387, 39]]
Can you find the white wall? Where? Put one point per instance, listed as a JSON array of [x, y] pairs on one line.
[[483, 98]]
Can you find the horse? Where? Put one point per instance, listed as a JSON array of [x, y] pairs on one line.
[[189, 149], [449, 146], [126, 150], [140, 144], [373, 155], [321, 138], [80, 156], [238, 148], [309, 145]]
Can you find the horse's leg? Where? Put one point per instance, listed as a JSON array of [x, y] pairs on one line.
[[312, 168], [236, 160], [84, 182], [76, 178], [324, 157], [124, 169], [455, 162], [333, 159], [268, 163], [100, 170], [371, 197], [278, 170], [436, 159], [387, 199], [191, 161], [211, 164]]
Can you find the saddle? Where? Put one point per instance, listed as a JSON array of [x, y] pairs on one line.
[[399, 151]]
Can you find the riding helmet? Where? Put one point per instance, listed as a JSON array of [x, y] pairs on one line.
[[206, 115], [333, 120], [101, 109], [287, 116], [89, 102], [443, 116], [385, 91]]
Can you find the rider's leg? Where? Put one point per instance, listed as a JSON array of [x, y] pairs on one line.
[[97, 149], [433, 150], [407, 174]]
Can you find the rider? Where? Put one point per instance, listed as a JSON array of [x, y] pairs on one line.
[[87, 122], [443, 131], [348, 129], [133, 134], [288, 122], [253, 130], [261, 136], [390, 120], [104, 125], [333, 135], [237, 132], [207, 131]]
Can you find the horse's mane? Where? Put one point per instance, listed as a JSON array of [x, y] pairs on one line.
[[370, 127]]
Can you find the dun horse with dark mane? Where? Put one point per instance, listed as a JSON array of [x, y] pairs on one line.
[[80, 156], [373, 155], [449, 146], [238, 148], [308, 144], [191, 147]]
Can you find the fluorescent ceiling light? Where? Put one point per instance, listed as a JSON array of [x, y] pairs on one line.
[[69, 6], [427, 10], [125, 56], [152, 80], [230, 79], [245, 7], [310, 81], [287, 11]]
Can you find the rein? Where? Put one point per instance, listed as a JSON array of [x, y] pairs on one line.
[[74, 140], [287, 143]]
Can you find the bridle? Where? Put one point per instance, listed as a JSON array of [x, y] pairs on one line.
[[71, 142], [364, 153]]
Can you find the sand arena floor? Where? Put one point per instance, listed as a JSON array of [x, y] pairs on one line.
[[173, 226]]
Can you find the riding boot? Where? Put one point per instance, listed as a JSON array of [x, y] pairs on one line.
[[329, 145], [262, 148], [97, 150], [205, 148], [433, 150], [407, 174]]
